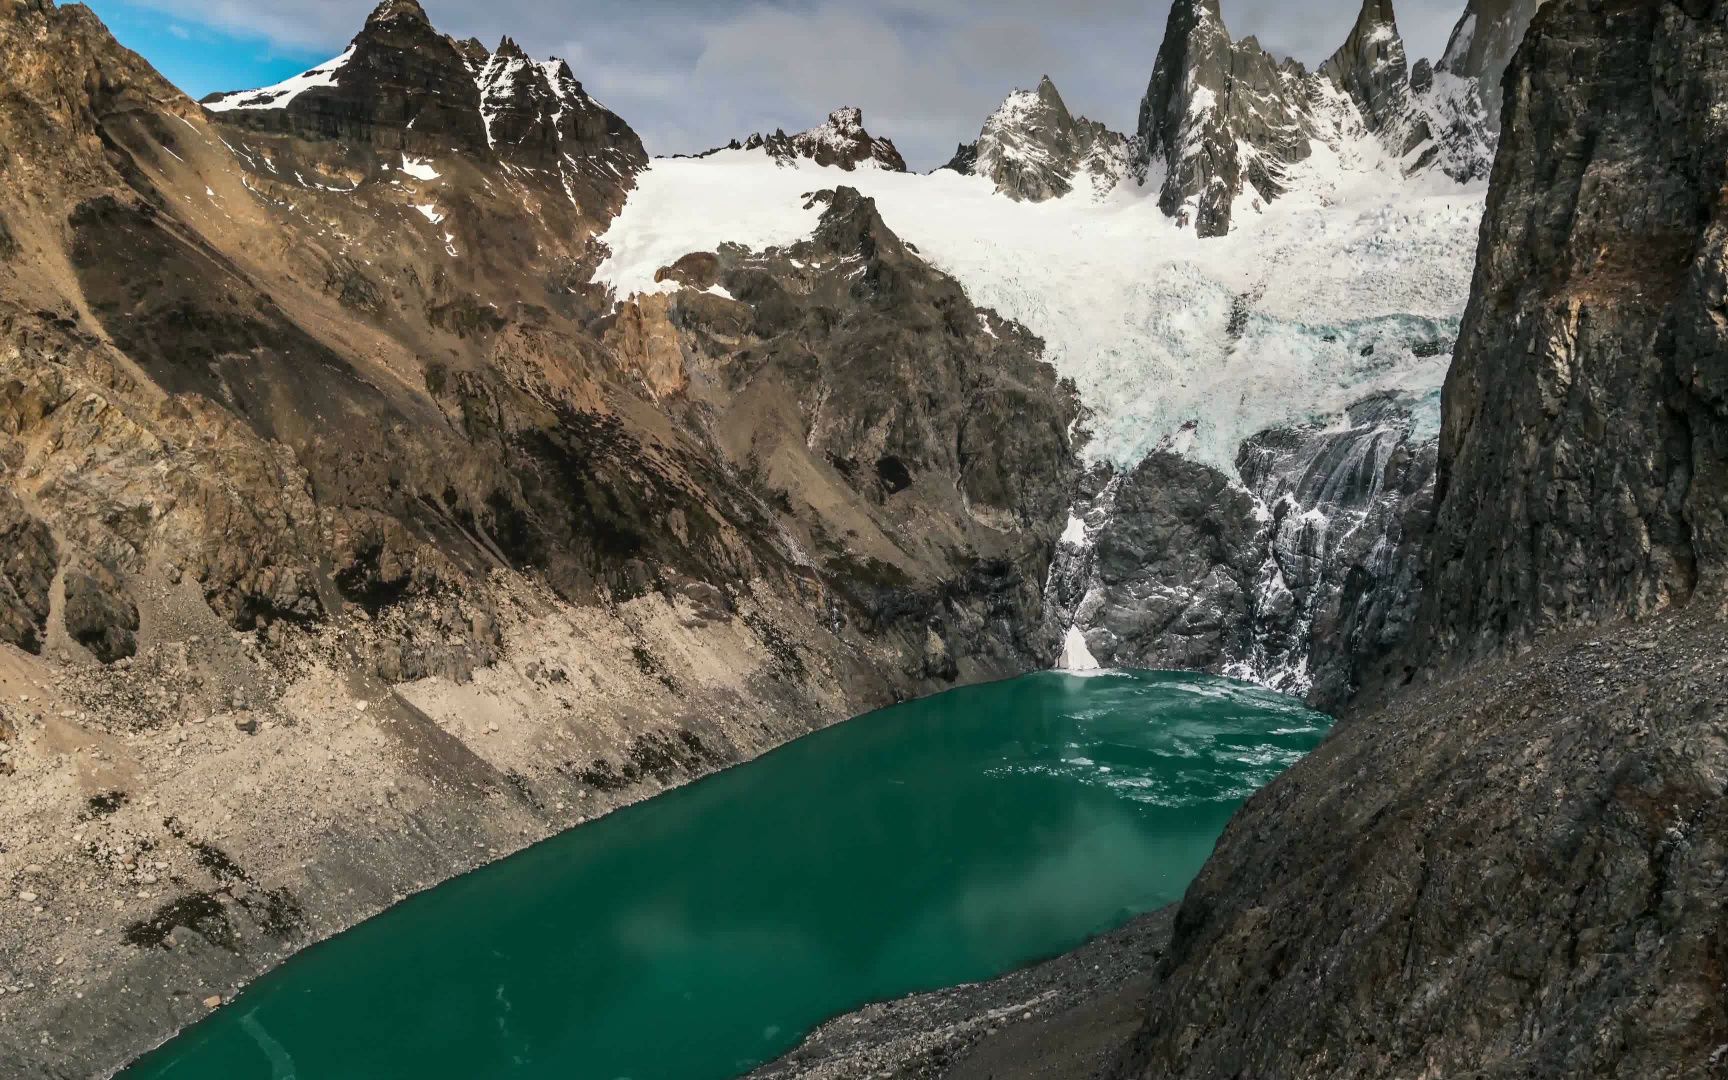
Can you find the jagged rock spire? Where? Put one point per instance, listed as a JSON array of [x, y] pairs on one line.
[[1033, 148], [1481, 46], [1210, 98], [1370, 66]]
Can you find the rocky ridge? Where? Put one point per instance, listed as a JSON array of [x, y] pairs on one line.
[[1224, 121], [839, 142]]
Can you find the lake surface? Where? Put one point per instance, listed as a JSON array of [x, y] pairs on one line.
[[706, 930]]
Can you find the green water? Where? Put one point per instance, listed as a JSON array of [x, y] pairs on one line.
[[704, 931]]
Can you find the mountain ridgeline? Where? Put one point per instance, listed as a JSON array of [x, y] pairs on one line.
[[1224, 120]]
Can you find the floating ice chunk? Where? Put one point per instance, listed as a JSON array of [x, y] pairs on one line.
[[1076, 656]]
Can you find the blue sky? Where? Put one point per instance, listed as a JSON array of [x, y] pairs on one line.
[[200, 59], [690, 74]]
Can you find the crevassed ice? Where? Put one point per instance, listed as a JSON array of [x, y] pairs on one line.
[[1307, 306]]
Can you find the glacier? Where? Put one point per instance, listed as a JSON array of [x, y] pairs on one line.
[[1351, 284]]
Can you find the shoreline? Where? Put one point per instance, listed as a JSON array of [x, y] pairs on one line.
[[1061, 1018], [125, 919]]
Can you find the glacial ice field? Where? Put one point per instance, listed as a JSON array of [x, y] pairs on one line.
[[1355, 281]]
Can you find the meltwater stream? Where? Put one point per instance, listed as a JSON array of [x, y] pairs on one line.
[[704, 931]]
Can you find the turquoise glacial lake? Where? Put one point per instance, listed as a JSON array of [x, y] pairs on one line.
[[705, 931]]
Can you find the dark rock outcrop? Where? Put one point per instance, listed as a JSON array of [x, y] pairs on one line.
[[99, 615], [1167, 579], [1337, 588], [1033, 149], [1303, 574], [964, 160], [840, 142], [1518, 873], [1583, 433], [1210, 99], [29, 559], [1515, 866]]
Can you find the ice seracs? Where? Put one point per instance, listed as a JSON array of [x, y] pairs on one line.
[[1353, 283]]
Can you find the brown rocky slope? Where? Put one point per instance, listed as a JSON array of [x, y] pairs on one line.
[[353, 539]]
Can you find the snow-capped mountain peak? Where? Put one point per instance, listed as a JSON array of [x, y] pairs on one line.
[[405, 89], [1032, 148], [1224, 124]]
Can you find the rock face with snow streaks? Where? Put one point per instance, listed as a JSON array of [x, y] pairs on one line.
[[1300, 572], [840, 142], [1481, 47], [401, 85], [1220, 118], [1223, 123], [1032, 148], [536, 114]]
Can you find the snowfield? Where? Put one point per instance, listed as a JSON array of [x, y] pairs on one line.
[[1353, 282]]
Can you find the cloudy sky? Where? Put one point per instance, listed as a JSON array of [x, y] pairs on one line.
[[689, 74]]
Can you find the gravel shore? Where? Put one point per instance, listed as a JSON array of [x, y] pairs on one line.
[[1062, 1019]]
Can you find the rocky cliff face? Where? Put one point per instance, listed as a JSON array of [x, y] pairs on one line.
[[1032, 148], [1579, 474], [1301, 571], [1481, 47], [1515, 866]]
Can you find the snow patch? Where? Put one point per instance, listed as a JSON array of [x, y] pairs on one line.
[[419, 168], [278, 96]]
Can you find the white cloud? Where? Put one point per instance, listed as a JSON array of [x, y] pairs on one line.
[[690, 74]]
